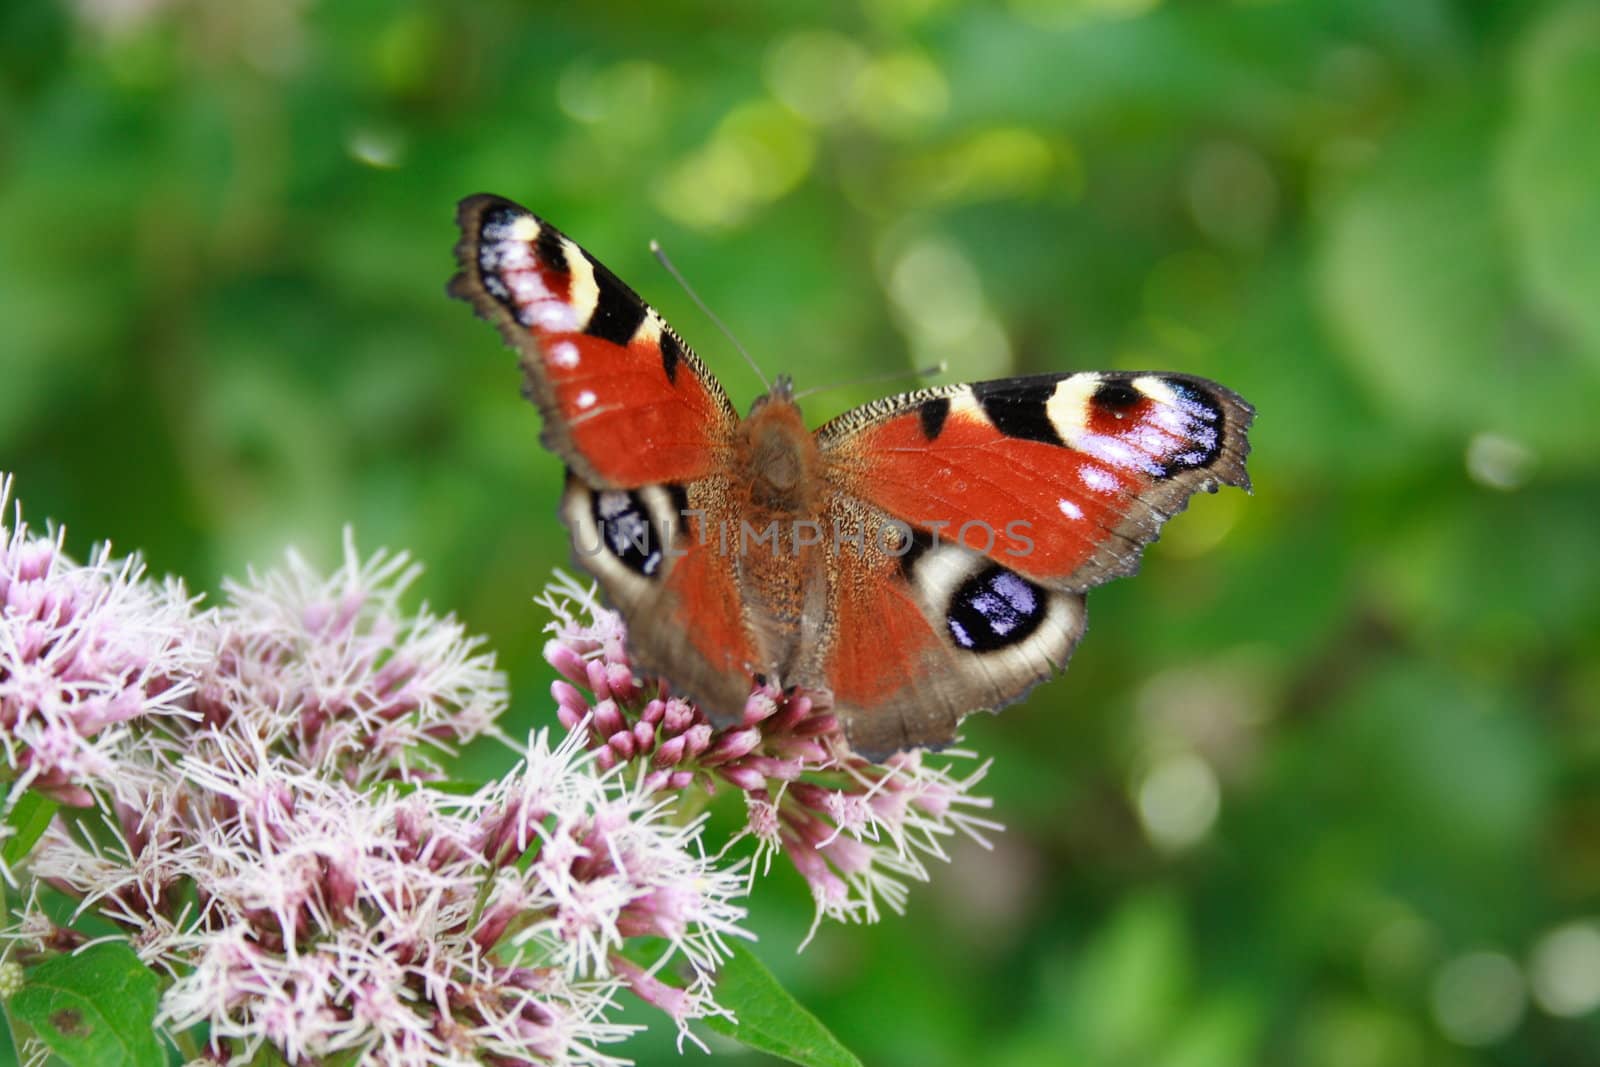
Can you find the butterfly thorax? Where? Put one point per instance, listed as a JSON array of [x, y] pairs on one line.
[[776, 455]]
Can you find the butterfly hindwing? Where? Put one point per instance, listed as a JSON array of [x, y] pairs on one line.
[[625, 402], [921, 633], [649, 550]]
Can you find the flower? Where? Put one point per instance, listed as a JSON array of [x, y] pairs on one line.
[[613, 870], [273, 846], [408, 927], [270, 835], [338, 677], [85, 650], [857, 831]]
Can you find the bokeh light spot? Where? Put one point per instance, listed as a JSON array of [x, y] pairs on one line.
[[1478, 998], [379, 148], [995, 164], [759, 152], [814, 73], [1565, 969], [628, 95], [1178, 801], [1499, 462], [901, 93], [936, 289]]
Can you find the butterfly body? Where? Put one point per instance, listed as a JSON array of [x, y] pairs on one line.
[[915, 559]]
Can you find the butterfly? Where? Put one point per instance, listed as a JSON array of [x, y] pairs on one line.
[[917, 558]]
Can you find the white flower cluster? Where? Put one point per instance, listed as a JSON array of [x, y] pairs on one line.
[[334, 675]]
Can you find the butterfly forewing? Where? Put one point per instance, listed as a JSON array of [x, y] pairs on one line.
[[626, 403], [1060, 477], [643, 428]]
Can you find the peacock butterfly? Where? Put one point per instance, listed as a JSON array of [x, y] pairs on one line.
[[917, 558]]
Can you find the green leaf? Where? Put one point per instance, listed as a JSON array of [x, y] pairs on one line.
[[771, 1020], [95, 1008], [30, 816]]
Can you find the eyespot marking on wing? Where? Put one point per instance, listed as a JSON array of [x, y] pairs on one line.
[[633, 527], [625, 529], [995, 608], [1193, 417]]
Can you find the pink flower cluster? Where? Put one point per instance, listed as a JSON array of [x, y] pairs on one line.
[[409, 927], [269, 837], [857, 831], [85, 649], [337, 676]]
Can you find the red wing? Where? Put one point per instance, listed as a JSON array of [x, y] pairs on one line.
[[707, 612], [672, 584], [886, 635], [920, 635], [626, 403], [1062, 478]]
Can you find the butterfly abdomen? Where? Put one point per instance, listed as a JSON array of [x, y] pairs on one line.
[[779, 552]]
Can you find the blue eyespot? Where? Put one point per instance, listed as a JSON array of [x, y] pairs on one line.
[[995, 609]]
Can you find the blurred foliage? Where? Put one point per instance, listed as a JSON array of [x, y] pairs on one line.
[[1322, 786]]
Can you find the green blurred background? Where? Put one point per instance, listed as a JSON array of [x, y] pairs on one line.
[[1323, 784]]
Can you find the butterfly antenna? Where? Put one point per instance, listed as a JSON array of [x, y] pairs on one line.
[[932, 371], [661, 256]]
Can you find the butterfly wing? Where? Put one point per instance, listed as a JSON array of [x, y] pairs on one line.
[[644, 429], [1018, 496], [671, 579], [625, 402], [920, 634]]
